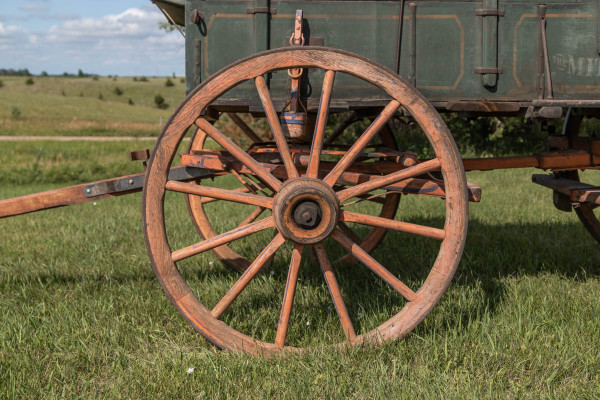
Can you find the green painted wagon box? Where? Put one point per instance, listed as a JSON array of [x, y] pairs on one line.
[[451, 51]]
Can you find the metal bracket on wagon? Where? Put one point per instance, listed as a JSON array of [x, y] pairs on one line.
[[136, 182]]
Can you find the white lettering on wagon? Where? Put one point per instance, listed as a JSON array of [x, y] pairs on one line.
[[581, 66]]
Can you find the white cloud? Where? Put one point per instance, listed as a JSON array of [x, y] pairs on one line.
[[9, 30], [129, 43]]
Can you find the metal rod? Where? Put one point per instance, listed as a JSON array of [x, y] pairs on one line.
[[400, 23], [539, 82], [412, 75], [547, 75]]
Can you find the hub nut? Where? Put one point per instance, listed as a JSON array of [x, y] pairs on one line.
[[307, 215]]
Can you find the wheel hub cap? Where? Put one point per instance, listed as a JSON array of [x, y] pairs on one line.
[[305, 210]]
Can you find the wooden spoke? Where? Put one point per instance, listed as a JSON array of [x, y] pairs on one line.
[[378, 222], [238, 153], [335, 292], [222, 239], [242, 180], [341, 128], [373, 265], [247, 276], [284, 150], [244, 127], [323, 113], [362, 142], [206, 199], [253, 215], [348, 231], [389, 179], [288, 296], [258, 187], [222, 194], [378, 198]]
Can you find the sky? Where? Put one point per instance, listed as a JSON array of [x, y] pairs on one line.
[[106, 37]]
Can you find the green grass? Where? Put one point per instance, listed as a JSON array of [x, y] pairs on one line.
[[82, 315], [55, 106]]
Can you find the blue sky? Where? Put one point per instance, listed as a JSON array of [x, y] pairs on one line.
[[118, 37]]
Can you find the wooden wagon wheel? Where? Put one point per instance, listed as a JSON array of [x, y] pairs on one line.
[[585, 211], [312, 193], [201, 219]]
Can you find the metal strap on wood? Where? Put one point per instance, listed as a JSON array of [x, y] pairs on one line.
[[489, 69], [261, 10]]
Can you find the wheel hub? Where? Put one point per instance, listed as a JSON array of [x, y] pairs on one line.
[[305, 210]]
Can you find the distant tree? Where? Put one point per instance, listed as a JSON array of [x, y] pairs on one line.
[[100, 97], [160, 102], [80, 73], [169, 83], [13, 72], [118, 91], [143, 79], [182, 80], [44, 73], [95, 77], [130, 102], [29, 81], [174, 76], [135, 79]]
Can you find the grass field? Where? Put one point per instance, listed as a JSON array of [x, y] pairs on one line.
[[54, 106], [83, 316]]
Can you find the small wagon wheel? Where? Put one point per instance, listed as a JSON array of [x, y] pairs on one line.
[[586, 212], [201, 219], [299, 197]]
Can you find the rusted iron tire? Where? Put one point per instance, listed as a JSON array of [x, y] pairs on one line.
[[585, 211], [234, 260], [296, 192]]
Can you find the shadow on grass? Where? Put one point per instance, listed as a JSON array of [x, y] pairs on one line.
[[493, 252]]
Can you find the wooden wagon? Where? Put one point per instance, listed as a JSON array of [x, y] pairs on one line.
[[295, 66]]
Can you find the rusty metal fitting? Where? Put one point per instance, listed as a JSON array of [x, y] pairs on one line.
[[196, 17], [307, 214], [297, 42], [295, 75]]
